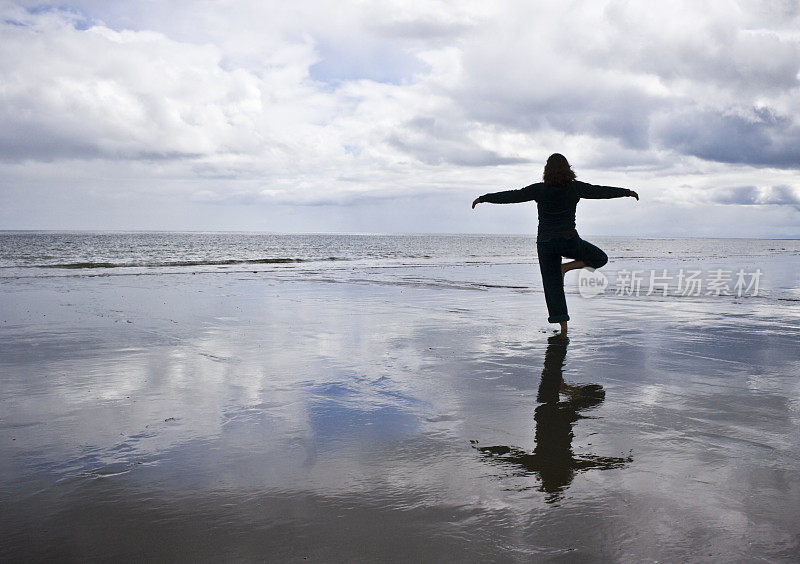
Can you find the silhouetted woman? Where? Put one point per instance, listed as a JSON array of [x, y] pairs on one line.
[[556, 198]]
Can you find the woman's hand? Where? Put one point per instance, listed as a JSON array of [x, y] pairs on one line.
[[478, 201], [634, 194]]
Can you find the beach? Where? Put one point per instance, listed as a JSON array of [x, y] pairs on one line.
[[400, 409]]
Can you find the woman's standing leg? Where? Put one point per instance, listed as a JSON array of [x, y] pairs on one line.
[[553, 282]]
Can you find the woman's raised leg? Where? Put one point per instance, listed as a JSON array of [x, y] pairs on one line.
[[584, 254], [591, 255], [571, 265]]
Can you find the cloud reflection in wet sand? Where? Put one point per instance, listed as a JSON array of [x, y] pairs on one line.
[[237, 418]]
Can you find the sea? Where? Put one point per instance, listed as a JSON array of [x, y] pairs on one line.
[[443, 260]]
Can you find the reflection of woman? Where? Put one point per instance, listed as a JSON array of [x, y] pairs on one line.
[[552, 457], [557, 197]]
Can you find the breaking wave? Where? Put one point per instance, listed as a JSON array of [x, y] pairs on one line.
[[156, 264]]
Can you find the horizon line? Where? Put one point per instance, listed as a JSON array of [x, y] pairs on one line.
[[377, 233]]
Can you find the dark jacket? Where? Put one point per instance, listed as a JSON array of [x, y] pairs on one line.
[[556, 204]]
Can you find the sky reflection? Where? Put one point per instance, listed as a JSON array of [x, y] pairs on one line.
[[285, 415]]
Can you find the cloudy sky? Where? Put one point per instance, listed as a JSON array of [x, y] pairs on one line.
[[391, 116]]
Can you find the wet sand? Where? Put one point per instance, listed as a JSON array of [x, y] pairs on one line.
[[242, 416]]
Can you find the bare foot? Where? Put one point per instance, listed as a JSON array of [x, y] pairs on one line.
[[571, 265], [563, 329]]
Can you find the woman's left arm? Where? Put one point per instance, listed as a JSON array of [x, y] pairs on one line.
[[593, 192]]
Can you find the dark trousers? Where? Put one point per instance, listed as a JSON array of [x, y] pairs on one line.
[[550, 250]]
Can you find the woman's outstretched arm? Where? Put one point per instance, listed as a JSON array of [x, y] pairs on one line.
[[593, 192], [510, 196]]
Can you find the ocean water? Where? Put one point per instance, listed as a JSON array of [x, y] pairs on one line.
[[436, 260], [86, 251]]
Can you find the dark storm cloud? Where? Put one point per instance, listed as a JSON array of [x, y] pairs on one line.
[[737, 195], [21, 142], [761, 138], [599, 110], [751, 195], [24, 141]]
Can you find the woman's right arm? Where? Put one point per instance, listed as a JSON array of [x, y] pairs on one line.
[[510, 196]]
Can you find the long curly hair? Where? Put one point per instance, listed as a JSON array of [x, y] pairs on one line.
[[557, 171]]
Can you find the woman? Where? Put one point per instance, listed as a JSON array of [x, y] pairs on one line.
[[556, 198]]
